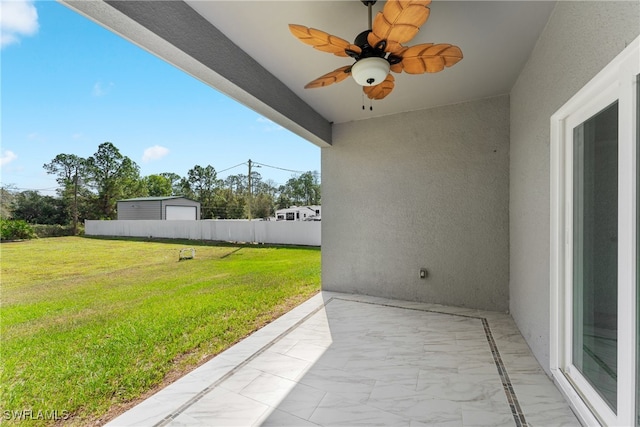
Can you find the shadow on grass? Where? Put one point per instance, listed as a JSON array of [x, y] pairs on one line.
[[217, 243]]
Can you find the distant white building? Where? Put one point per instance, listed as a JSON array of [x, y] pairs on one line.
[[299, 213]]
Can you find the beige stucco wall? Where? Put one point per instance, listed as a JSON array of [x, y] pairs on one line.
[[579, 40], [420, 189]]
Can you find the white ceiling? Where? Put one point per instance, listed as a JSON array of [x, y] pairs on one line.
[[496, 39]]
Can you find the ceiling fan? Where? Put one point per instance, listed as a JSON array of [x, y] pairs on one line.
[[380, 49]]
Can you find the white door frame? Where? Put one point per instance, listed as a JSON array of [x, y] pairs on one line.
[[617, 81]]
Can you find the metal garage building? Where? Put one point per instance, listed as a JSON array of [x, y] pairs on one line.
[[174, 207]]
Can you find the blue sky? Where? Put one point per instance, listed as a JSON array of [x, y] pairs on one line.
[[67, 85]]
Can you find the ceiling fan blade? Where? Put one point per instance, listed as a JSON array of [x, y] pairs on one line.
[[430, 58], [395, 59], [396, 68], [382, 90], [399, 22], [336, 76], [322, 41]]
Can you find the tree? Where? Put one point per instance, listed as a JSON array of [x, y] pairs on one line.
[[303, 190], [158, 185], [236, 183], [7, 194], [310, 187], [34, 208], [174, 179], [71, 171], [264, 196], [201, 183], [283, 201], [262, 206], [114, 177]]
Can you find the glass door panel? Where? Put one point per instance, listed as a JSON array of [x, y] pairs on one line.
[[595, 252]]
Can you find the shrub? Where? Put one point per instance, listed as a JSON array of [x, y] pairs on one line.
[[16, 230], [56, 230]]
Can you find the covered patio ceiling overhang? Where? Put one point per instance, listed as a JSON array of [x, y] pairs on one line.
[[244, 49]]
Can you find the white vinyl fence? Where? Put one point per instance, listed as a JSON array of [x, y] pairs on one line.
[[305, 233]]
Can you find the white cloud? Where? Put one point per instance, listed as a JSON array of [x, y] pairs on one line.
[[269, 126], [100, 89], [7, 157], [17, 18], [154, 153]]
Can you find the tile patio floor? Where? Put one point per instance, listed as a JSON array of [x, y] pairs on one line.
[[352, 360]]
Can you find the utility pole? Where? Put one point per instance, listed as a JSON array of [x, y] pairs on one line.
[[249, 197], [251, 165]]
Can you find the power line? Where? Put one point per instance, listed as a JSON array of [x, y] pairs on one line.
[[239, 164], [279, 168], [32, 189], [298, 172]]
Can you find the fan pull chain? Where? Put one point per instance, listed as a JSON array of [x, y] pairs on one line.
[[370, 103]]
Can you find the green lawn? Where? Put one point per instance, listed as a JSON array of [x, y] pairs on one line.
[[88, 326]]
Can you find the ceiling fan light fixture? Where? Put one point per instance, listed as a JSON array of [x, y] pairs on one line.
[[370, 71]]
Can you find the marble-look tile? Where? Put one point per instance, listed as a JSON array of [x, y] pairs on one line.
[[339, 382], [478, 367], [334, 359], [460, 387], [144, 414], [364, 360], [415, 405], [487, 412], [284, 344], [302, 400], [521, 363], [385, 372], [280, 365], [478, 418], [307, 351], [240, 379], [224, 408], [557, 418], [278, 418], [268, 389], [336, 410], [453, 423], [184, 421], [542, 403]]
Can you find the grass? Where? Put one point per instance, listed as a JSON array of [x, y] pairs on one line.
[[89, 326]]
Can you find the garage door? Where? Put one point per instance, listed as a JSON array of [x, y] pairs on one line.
[[180, 212]]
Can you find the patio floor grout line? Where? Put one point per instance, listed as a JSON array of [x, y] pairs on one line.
[[512, 399], [172, 416]]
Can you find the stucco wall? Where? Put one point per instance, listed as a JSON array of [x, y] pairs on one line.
[[579, 40], [420, 189]]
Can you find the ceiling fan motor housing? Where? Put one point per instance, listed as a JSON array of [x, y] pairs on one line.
[[371, 67]]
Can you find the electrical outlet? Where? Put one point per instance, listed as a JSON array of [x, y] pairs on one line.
[[423, 273]]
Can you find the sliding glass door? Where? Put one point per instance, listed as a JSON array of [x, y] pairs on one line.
[[595, 289], [595, 251]]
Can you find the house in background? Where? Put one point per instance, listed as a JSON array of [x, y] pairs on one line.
[[299, 213], [493, 168], [162, 208]]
